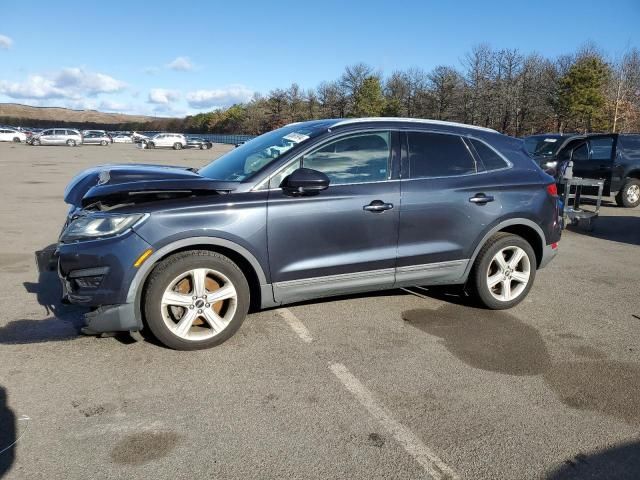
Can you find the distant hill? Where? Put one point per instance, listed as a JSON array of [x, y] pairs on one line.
[[53, 115]]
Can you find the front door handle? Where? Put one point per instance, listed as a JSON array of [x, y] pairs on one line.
[[378, 206], [481, 199]]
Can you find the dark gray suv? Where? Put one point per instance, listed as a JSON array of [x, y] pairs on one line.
[[310, 210]]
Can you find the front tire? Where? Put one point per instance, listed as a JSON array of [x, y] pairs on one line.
[[196, 299], [629, 194], [504, 271]]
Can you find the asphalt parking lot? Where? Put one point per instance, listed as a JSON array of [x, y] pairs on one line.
[[389, 385]]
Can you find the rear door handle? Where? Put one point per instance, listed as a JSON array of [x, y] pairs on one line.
[[378, 206], [481, 199]]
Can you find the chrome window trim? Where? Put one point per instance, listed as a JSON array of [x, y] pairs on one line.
[[337, 136]]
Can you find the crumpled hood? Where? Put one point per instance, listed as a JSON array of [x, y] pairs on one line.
[[105, 181]]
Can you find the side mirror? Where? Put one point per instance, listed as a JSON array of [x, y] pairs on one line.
[[305, 181]]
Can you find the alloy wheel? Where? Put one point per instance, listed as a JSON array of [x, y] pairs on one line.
[[633, 193], [508, 273], [199, 304]]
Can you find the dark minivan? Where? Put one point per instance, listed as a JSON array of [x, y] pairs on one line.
[[615, 158], [310, 210]]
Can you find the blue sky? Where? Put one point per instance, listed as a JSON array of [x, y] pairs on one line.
[[174, 58]]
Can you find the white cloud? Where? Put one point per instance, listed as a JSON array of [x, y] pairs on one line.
[[88, 82], [5, 42], [222, 97], [71, 83], [163, 96], [180, 64]]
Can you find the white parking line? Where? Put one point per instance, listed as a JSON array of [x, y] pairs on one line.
[[295, 324], [429, 461]]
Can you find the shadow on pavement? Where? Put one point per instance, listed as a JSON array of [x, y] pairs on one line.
[[621, 462], [622, 229], [7, 434], [64, 321]]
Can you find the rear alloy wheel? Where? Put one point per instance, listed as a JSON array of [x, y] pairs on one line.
[[203, 146], [16, 140], [177, 146], [504, 271], [103, 143], [151, 145], [629, 194], [195, 300], [71, 143]]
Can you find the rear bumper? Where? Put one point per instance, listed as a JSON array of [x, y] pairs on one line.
[[548, 254]]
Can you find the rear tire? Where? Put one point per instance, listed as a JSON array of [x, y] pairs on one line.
[[71, 143], [177, 146], [103, 143], [174, 281], [16, 140], [629, 194], [504, 271]]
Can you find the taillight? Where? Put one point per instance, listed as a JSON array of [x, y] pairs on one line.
[[552, 189]]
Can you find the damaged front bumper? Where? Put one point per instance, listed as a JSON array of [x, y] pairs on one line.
[[97, 274]]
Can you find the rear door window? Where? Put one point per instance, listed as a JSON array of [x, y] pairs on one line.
[[600, 148], [438, 155]]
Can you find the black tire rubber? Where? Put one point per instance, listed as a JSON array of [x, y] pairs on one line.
[[103, 143], [150, 145], [478, 275], [71, 143], [621, 197], [173, 266], [203, 147], [16, 140], [177, 146]]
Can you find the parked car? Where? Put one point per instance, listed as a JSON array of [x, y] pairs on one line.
[[12, 135], [168, 140], [122, 139], [58, 136], [96, 138], [184, 252], [615, 158], [103, 133], [198, 142]]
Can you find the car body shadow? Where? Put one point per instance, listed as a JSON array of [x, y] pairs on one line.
[[620, 462], [63, 321], [7, 434], [621, 229]]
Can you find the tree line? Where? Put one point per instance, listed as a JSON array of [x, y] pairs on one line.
[[504, 89]]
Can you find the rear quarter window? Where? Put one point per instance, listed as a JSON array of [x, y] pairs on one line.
[[489, 157], [630, 146]]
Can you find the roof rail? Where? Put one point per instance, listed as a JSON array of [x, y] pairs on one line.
[[414, 120]]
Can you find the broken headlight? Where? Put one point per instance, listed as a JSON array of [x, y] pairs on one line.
[[96, 226]]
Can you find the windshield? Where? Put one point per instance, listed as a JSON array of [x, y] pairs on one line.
[[542, 146], [250, 157]]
